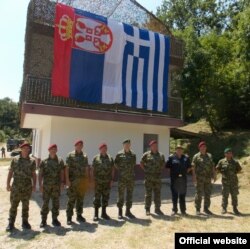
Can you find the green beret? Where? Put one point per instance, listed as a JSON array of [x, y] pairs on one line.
[[127, 141], [227, 150]]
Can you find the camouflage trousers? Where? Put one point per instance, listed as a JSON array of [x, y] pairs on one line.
[[76, 193], [102, 192], [17, 195], [125, 185], [51, 193], [152, 185], [206, 188], [229, 189]]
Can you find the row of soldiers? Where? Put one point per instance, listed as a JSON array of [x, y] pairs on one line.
[[54, 175]]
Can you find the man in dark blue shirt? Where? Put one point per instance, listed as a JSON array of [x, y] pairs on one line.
[[179, 165]]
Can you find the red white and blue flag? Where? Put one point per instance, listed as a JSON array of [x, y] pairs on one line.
[[99, 60]]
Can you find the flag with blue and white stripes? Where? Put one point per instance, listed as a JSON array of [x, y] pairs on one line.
[[109, 62]]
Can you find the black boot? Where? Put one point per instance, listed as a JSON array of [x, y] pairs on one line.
[[129, 214], [69, 220], [80, 218], [104, 214], [223, 211], [96, 216], [198, 211], [26, 224], [43, 223], [236, 211], [120, 217], [147, 211], [207, 211], [56, 222], [10, 226], [158, 211]]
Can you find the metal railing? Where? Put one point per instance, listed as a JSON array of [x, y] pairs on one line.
[[38, 90]]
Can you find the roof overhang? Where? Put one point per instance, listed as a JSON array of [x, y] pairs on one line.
[[49, 110]]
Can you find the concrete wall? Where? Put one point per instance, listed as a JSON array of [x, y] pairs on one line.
[[64, 131]]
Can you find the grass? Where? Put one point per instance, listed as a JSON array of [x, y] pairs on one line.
[[238, 140], [145, 232]]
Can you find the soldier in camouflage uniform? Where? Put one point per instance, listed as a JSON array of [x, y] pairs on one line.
[[51, 177], [77, 178], [23, 171], [103, 174], [125, 162], [204, 171], [229, 168], [152, 162]]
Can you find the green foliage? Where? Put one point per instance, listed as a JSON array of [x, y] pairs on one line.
[[9, 121], [215, 81], [2, 136]]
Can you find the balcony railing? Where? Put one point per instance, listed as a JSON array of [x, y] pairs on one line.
[[38, 90]]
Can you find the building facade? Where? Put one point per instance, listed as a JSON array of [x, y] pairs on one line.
[[62, 120]]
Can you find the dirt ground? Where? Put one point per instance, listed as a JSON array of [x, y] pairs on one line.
[[144, 232]]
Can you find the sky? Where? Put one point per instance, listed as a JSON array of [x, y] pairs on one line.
[[12, 44]]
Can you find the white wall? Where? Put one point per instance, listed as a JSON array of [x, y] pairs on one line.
[[64, 131]]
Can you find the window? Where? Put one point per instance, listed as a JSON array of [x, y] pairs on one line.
[[146, 139]]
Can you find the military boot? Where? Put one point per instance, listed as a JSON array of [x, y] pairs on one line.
[[56, 222], [198, 212], [69, 220], [207, 211], [26, 224], [223, 211], [129, 214], [147, 211], [158, 211], [43, 223], [80, 218], [104, 214], [10, 226], [96, 216], [120, 217], [236, 211]]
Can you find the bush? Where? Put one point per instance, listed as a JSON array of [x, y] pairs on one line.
[[2, 136]]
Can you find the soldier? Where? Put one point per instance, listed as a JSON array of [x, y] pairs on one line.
[[229, 168], [204, 171], [179, 165], [125, 162], [77, 177], [3, 152], [103, 173], [152, 162], [51, 177], [23, 171]]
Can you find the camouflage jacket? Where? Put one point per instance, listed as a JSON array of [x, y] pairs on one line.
[[125, 163], [229, 170], [22, 168], [50, 169], [153, 164], [203, 165], [102, 168], [77, 164]]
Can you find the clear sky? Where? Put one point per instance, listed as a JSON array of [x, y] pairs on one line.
[[13, 16]]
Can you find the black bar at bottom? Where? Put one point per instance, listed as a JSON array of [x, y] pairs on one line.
[[212, 240]]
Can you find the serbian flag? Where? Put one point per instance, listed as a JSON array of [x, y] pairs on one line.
[[99, 60]]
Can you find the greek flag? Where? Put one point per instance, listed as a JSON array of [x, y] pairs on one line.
[[99, 60]]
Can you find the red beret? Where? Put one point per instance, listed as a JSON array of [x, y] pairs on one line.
[[152, 142], [78, 142], [102, 145], [201, 144], [24, 144], [52, 146]]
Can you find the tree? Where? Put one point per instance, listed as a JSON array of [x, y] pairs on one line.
[[215, 78], [9, 120]]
